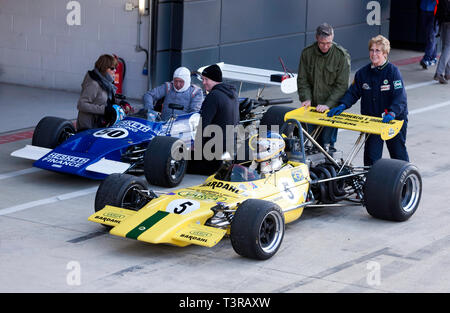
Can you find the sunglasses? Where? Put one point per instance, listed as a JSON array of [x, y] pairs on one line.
[[112, 68]]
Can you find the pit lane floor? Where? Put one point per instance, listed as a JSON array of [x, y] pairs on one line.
[[47, 244]]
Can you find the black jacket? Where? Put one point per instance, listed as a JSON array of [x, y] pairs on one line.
[[220, 107]]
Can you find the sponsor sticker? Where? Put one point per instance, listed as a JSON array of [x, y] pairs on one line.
[[221, 185], [297, 175], [193, 237], [200, 233], [203, 195], [385, 87], [59, 160], [398, 84], [133, 126]]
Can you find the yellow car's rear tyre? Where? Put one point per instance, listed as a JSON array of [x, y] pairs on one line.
[[392, 190]]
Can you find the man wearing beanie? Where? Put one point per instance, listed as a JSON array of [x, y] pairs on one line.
[[220, 107], [179, 91]]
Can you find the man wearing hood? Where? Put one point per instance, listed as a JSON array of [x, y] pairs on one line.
[[179, 91]]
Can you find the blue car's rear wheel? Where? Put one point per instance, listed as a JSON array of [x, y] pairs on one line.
[[52, 131], [165, 162]]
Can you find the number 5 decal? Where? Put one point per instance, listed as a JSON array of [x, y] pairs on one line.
[[182, 206], [287, 190]]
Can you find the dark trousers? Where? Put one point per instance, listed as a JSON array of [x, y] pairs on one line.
[[327, 136], [373, 149], [203, 167], [431, 30]]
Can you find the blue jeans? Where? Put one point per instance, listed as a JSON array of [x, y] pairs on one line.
[[431, 31]]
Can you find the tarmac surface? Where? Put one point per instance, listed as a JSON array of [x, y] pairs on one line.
[[48, 245]]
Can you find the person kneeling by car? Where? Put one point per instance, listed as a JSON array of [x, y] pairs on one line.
[[97, 106], [381, 89]]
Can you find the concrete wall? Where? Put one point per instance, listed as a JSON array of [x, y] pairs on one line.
[[38, 48]]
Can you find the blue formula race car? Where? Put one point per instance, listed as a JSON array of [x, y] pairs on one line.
[[132, 145]]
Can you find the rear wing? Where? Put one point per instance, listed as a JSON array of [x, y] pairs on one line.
[[255, 76], [350, 121]]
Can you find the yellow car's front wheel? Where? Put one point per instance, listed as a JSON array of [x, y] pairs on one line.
[[257, 229]]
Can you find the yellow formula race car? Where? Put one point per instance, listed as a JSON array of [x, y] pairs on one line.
[[252, 207]]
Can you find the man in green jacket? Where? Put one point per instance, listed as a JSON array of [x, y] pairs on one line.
[[323, 78]]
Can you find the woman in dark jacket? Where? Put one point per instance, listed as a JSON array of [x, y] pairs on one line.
[[97, 91]]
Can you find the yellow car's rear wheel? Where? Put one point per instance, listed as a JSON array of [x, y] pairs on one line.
[[392, 190]]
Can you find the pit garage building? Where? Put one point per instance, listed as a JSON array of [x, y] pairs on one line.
[[52, 43]]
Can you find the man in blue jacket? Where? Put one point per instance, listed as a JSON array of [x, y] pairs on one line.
[[381, 89]]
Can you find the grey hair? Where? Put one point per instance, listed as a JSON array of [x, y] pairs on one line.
[[324, 30]]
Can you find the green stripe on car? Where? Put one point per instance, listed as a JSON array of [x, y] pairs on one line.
[[147, 224]]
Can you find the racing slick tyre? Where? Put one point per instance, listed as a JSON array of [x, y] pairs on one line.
[[165, 162], [51, 131], [120, 190], [275, 116], [392, 190], [257, 229]]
